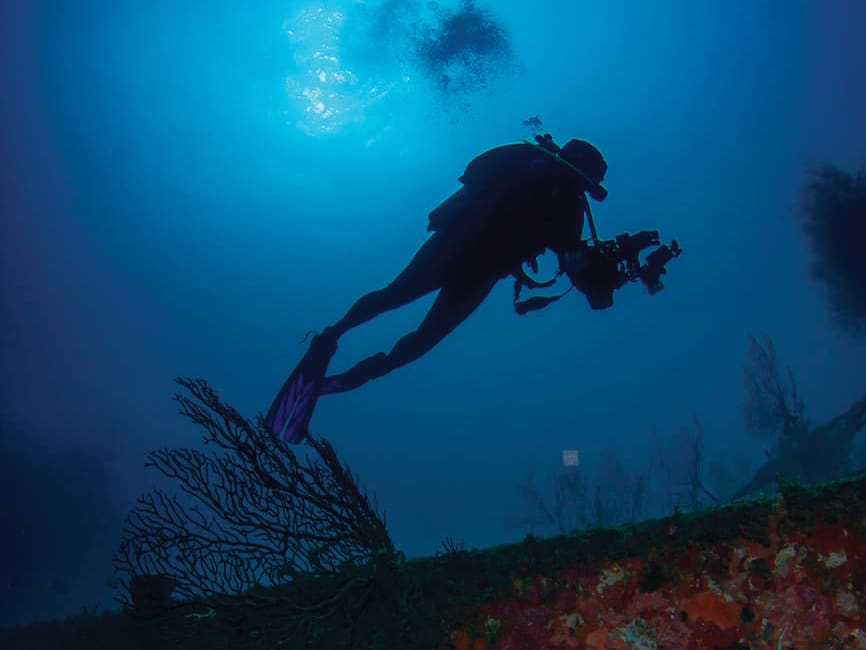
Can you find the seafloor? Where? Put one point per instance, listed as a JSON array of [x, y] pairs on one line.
[[787, 571]]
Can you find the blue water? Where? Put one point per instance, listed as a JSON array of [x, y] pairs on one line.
[[187, 188]]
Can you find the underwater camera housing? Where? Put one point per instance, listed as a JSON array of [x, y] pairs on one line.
[[600, 269]]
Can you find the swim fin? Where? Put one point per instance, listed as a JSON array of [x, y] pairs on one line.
[[290, 413]]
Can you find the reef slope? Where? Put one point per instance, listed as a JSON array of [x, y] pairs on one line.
[[785, 571]]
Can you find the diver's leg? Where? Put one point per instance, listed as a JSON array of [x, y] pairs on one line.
[[291, 410], [451, 307], [423, 274]]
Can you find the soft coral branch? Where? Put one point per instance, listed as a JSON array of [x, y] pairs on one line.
[[253, 513]]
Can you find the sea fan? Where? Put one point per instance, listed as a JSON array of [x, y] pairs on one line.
[[834, 218]]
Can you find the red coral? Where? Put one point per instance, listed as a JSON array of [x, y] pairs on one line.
[[462, 641], [827, 538], [590, 609], [600, 639], [670, 632], [534, 594], [578, 574], [707, 635], [645, 605], [712, 608], [566, 600]]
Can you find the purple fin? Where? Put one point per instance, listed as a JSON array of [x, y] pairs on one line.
[[290, 413], [292, 409]]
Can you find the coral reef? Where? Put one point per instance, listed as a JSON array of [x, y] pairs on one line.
[[252, 514], [786, 571], [792, 578]]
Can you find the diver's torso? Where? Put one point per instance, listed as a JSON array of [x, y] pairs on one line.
[[516, 202]]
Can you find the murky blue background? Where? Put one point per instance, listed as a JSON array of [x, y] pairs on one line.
[[187, 188]]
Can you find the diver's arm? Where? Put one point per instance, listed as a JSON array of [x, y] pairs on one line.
[[569, 248]]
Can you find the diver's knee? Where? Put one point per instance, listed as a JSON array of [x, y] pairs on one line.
[[331, 333], [409, 348], [370, 368]]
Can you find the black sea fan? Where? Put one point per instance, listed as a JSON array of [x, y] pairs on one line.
[[248, 512], [834, 218]]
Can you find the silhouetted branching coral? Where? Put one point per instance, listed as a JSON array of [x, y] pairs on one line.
[[674, 481], [800, 451], [834, 218], [773, 406], [575, 501], [252, 513]]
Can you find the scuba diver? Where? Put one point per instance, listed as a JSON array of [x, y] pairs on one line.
[[516, 202]]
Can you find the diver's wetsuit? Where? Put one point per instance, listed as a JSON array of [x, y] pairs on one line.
[[516, 202]]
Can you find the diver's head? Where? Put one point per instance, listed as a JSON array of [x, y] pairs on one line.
[[591, 164]]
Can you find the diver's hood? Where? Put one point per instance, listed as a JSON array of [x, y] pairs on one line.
[[590, 163]]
